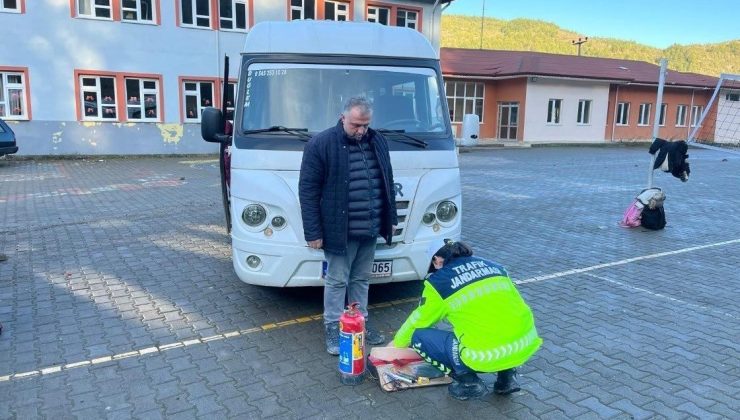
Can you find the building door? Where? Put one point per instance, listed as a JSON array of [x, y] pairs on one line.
[[508, 120]]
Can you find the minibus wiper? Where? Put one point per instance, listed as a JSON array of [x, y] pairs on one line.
[[301, 133], [414, 141]]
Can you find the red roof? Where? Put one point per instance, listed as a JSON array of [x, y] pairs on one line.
[[499, 64]]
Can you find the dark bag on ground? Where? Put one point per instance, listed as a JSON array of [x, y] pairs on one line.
[[653, 215], [653, 219]]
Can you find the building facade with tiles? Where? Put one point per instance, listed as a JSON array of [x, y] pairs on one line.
[[96, 77]]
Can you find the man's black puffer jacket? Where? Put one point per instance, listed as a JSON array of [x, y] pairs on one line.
[[323, 188], [365, 202]]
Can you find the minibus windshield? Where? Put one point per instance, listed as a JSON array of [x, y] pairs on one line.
[[311, 96]]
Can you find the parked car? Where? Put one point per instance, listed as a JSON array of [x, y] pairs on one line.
[[7, 139]]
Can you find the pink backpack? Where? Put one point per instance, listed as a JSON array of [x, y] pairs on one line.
[[632, 215]]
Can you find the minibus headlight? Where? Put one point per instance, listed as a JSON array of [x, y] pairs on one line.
[[428, 218], [446, 211], [254, 215], [278, 222], [253, 261]]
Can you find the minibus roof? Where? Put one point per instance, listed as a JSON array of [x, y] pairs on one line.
[[337, 38]]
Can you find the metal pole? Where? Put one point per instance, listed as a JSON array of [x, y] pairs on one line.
[[616, 104], [706, 110], [222, 147], [482, 15], [658, 106]]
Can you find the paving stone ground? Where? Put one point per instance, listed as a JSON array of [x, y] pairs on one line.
[[118, 298]]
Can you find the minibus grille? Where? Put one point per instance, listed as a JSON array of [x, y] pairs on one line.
[[402, 211]]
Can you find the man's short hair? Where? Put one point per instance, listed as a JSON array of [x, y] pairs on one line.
[[366, 107]]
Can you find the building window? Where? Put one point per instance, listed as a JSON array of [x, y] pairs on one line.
[[336, 10], [11, 6], [734, 97], [584, 112], [13, 96], [406, 18], [195, 13], [233, 14], [681, 116], [379, 14], [142, 99], [100, 9], [197, 95], [114, 97], [302, 9], [696, 111], [141, 11], [623, 113], [663, 112], [644, 117], [98, 97], [387, 14], [464, 98], [553, 111]]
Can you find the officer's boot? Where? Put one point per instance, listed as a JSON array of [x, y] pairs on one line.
[[506, 382], [466, 386]]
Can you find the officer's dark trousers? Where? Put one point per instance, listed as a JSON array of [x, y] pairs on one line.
[[441, 349]]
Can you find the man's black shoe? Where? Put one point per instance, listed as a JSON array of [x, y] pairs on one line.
[[331, 333], [506, 382], [466, 390], [374, 337]]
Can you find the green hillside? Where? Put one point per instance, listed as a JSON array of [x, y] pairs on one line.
[[536, 35]]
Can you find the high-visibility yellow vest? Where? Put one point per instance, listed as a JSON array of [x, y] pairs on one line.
[[493, 324]]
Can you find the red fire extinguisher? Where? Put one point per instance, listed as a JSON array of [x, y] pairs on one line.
[[352, 346]]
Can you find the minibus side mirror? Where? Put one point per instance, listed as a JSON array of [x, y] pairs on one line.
[[212, 126]]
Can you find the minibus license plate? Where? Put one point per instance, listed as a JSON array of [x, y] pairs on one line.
[[382, 268]]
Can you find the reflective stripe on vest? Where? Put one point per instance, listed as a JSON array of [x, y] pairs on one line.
[[502, 351]]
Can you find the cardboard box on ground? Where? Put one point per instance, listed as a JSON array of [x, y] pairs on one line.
[[402, 368]]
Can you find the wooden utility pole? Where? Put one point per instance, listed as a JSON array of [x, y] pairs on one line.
[[579, 42]]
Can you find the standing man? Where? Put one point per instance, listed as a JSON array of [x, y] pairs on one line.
[[347, 201]]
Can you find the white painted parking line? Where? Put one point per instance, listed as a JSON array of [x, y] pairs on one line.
[[282, 324], [662, 296], [160, 349], [623, 262]]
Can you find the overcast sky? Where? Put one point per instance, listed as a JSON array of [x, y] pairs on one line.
[[658, 23]]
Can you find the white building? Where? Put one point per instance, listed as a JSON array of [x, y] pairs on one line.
[[132, 76], [549, 121]]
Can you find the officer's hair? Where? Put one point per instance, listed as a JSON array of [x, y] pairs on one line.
[[366, 107], [452, 250]]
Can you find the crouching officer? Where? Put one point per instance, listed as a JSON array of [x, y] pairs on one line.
[[493, 328]]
